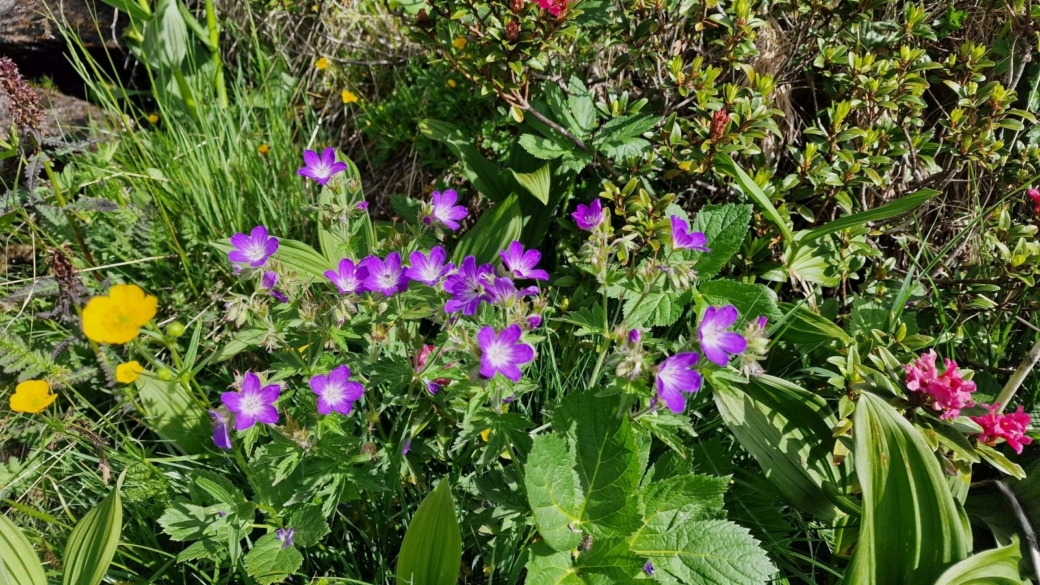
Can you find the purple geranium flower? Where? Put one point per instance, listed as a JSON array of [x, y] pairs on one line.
[[268, 282], [534, 321], [221, 436], [588, 216], [252, 404], [443, 210], [634, 337], [347, 277], [503, 291], [648, 568], [285, 535], [467, 287], [321, 167], [502, 352], [674, 377], [253, 249], [717, 343], [362, 205], [406, 446], [522, 263], [385, 276], [430, 269], [336, 392], [684, 239]]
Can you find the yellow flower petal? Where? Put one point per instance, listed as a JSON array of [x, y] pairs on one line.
[[153, 118], [459, 43], [322, 63], [32, 396], [451, 83], [348, 96], [128, 372], [264, 149], [685, 165], [118, 317]]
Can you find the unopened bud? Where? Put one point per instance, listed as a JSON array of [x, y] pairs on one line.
[[718, 125], [512, 30]]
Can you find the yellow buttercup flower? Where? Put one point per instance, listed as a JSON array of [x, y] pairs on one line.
[[322, 63], [459, 43], [348, 96], [128, 372], [117, 317], [264, 149], [451, 83], [153, 118], [32, 396]]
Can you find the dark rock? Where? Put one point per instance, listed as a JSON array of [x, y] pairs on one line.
[[31, 26]]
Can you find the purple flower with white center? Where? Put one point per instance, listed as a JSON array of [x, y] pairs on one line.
[[433, 387], [684, 239], [443, 210], [588, 216], [522, 263], [348, 277], [674, 377], [503, 352], [467, 287], [321, 167], [268, 282], [429, 270], [285, 535], [385, 276], [336, 392], [717, 343], [504, 291], [221, 436], [253, 403], [253, 249], [648, 568]]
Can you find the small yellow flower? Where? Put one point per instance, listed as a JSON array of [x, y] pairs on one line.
[[264, 149], [459, 43], [484, 434], [322, 63], [685, 165], [348, 96], [32, 396], [117, 317], [128, 372], [153, 118], [451, 83]]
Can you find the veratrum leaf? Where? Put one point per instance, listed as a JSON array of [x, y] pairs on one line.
[[296, 255], [536, 183], [432, 549], [912, 527], [725, 227], [998, 566], [485, 175], [495, 229], [19, 564], [93, 542], [172, 414]]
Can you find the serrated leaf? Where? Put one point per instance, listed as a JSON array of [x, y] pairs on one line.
[[185, 521], [751, 300], [590, 320], [672, 502], [19, 564], [725, 227], [432, 549], [554, 491], [269, 562], [654, 309], [608, 562], [93, 542], [706, 551], [542, 148], [309, 525]]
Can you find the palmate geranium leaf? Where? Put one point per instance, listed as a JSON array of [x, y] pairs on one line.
[[309, 525]]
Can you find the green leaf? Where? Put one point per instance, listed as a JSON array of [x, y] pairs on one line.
[[706, 551], [801, 325], [883, 212], [725, 164], [431, 553], [725, 227], [751, 300], [171, 412], [268, 562], [495, 229], [334, 231], [93, 542], [536, 183], [166, 35], [912, 528], [679, 499], [131, 7], [485, 175], [543, 148], [607, 562], [19, 564], [590, 320], [184, 521], [654, 309], [554, 491], [1000, 461], [309, 525], [997, 566]]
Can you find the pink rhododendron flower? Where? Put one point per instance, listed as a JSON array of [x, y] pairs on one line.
[[1034, 194], [553, 7], [948, 392], [1011, 427]]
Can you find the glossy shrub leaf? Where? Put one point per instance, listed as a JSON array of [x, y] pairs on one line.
[[93, 542], [172, 413], [495, 229], [880, 213], [911, 528], [998, 566], [725, 227], [269, 561], [787, 429], [432, 549], [727, 166], [19, 564]]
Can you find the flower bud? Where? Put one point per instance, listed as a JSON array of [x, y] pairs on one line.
[[718, 125], [517, 6], [512, 31], [175, 329]]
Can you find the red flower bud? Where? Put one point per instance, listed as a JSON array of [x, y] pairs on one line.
[[718, 125], [512, 30]]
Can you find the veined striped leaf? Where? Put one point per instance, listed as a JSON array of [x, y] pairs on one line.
[[19, 564], [432, 549], [93, 542]]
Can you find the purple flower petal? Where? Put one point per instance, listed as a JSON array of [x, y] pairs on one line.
[[717, 343], [502, 352], [674, 378]]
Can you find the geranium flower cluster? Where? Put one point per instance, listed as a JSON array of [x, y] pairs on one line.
[[946, 392], [1011, 427]]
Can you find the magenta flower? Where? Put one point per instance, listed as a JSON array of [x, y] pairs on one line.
[[221, 436], [362, 205], [429, 270], [683, 239], [443, 210], [588, 216], [503, 292], [467, 287], [268, 281], [634, 337], [534, 321], [385, 276], [674, 377], [503, 352], [253, 249], [1011, 427], [347, 277], [522, 263], [336, 392], [948, 392], [252, 404], [322, 167], [717, 343], [285, 535]]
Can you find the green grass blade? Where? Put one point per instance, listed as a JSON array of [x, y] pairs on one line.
[[886, 211], [728, 167]]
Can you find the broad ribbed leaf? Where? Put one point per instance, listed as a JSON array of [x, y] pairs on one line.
[[432, 549], [725, 227], [536, 183], [801, 325], [485, 175], [19, 564], [911, 528], [495, 229], [302, 258], [606, 562], [170, 412], [93, 542], [998, 566], [788, 431]]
